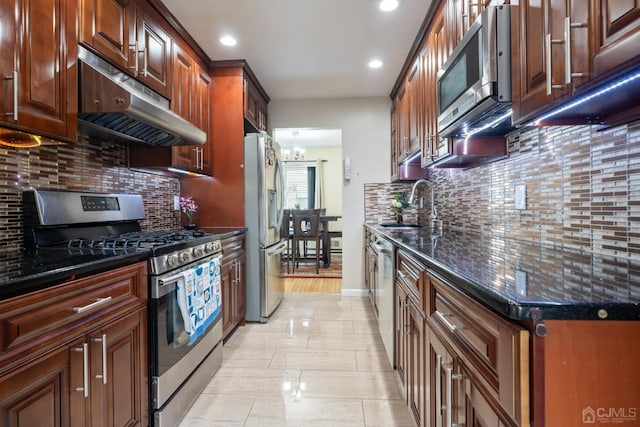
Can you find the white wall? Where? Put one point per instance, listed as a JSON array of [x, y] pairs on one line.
[[365, 128]]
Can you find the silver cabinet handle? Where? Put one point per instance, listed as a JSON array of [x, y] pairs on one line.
[[96, 303], [103, 375], [144, 61], [85, 369], [14, 113], [444, 320], [136, 52], [439, 405], [568, 26], [548, 42], [449, 397]]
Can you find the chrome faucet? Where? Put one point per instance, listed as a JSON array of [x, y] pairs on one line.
[[434, 215]]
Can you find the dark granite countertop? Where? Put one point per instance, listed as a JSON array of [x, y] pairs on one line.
[[514, 277], [25, 272]]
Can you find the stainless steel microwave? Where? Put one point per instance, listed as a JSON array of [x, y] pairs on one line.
[[474, 84]]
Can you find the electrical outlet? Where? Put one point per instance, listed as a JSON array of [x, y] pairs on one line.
[[521, 197], [176, 203], [521, 282]]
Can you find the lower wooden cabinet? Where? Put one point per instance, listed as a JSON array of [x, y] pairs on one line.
[[77, 365], [234, 283]]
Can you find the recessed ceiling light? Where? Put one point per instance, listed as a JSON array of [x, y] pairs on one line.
[[228, 41], [388, 5], [375, 63]]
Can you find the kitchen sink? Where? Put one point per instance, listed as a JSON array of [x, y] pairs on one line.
[[396, 226]]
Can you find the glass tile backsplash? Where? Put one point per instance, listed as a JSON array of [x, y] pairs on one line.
[[85, 166], [582, 191]]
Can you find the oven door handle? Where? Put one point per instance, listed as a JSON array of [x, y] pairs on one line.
[[166, 285]]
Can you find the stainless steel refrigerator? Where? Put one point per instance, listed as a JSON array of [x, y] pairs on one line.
[[264, 207]]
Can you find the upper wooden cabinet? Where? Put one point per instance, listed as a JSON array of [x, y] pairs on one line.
[[255, 106], [229, 123], [109, 27], [132, 36], [618, 35], [567, 47], [38, 66]]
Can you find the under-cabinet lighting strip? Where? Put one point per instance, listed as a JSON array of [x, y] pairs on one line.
[[623, 81]]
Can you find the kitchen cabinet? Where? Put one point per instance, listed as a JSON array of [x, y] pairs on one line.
[[569, 47], [131, 35], [227, 129], [76, 353], [618, 36], [255, 106], [395, 137], [479, 362], [38, 66], [234, 283], [191, 100], [410, 333], [108, 26]]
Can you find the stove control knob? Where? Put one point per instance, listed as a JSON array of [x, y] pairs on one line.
[[198, 252], [172, 260], [209, 247], [184, 257]]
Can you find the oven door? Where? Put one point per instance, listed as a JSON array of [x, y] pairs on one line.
[[184, 322]]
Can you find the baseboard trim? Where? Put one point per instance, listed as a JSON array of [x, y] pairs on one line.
[[355, 292]]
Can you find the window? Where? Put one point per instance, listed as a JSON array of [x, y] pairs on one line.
[[300, 184]]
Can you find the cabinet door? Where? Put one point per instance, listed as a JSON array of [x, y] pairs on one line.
[[477, 411], [429, 111], [240, 290], [109, 27], [443, 401], [395, 140], [403, 123], [39, 66], [182, 103], [415, 108], [38, 393], [416, 364], [154, 46], [118, 370], [618, 36], [251, 103], [202, 119], [440, 147], [227, 282], [401, 334]]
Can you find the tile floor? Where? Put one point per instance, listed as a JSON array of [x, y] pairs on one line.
[[319, 361]]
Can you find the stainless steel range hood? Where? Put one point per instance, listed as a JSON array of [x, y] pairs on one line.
[[115, 107]]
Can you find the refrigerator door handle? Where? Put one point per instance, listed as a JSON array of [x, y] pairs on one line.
[[281, 195], [276, 249]]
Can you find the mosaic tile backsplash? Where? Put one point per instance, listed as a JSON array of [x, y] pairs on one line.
[[85, 166], [582, 191]]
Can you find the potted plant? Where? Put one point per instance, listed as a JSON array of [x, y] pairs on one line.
[[189, 207], [398, 204]]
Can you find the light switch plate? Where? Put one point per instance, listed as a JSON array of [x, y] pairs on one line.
[[176, 203], [521, 197]]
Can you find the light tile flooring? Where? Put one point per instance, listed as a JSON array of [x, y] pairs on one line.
[[319, 361]]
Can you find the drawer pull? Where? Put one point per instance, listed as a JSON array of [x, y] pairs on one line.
[[444, 320], [85, 370], [98, 302]]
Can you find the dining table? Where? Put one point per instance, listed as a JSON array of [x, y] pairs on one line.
[[326, 237]]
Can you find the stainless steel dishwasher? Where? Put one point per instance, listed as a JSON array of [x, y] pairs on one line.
[[386, 294]]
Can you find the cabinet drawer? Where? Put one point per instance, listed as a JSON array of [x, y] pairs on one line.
[[233, 246], [43, 319], [409, 272], [495, 349]]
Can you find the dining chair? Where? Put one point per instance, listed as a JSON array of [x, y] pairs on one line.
[[306, 228]]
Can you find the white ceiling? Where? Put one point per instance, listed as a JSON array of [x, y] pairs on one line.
[[308, 48], [307, 137]]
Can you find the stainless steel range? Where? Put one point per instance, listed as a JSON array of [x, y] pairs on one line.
[[185, 304]]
